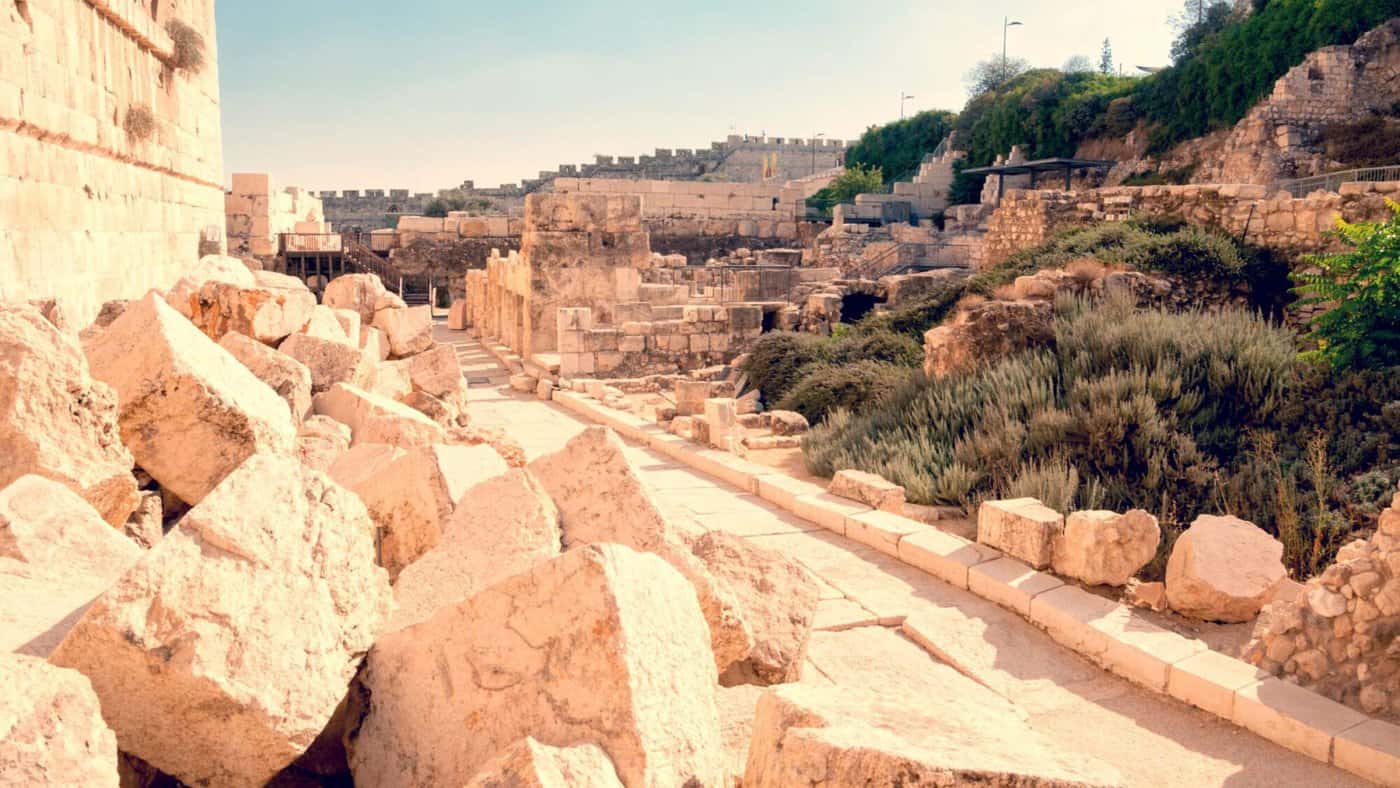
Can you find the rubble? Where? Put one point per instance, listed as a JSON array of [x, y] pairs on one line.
[[502, 527], [529, 764], [56, 555], [51, 728], [410, 494], [601, 645], [1339, 635], [330, 361], [273, 308], [56, 420], [222, 654], [321, 441], [188, 411], [374, 419], [409, 330], [601, 499], [282, 373]]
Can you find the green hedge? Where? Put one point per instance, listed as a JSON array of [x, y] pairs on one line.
[[896, 149]]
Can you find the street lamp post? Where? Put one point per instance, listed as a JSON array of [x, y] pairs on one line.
[[815, 137], [1006, 25], [903, 97]]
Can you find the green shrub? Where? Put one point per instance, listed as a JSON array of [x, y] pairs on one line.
[[855, 180], [1361, 292], [775, 364], [895, 149], [858, 385], [1143, 405], [874, 345]]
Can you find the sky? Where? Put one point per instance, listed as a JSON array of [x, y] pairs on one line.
[[423, 94]]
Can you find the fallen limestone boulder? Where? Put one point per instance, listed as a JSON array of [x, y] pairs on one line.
[[1223, 569], [499, 528], [51, 727], [56, 421], [773, 595], [111, 310], [323, 324], [321, 441], [282, 373], [184, 295], [1106, 548], [56, 555], [389, 379], [868, 488], [374, 343], [374, 419], [601, 499], [808, 735], [1023, 528], [601, 645], [330, 361], [223, 653], [471, 435], [360, 293], [275, 307], [529, 764], [437, 372], [188, 411], [737, 706], [411, 494], [409, 330], [350, 323]]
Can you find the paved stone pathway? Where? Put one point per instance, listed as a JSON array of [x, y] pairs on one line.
[[1151, 739]]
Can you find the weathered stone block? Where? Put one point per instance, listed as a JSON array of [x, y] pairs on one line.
[[1023, 528]]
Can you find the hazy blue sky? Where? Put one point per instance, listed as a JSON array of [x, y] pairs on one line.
[[422, 94]]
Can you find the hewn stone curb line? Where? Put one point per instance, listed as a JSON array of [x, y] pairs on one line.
[[1112, 635]]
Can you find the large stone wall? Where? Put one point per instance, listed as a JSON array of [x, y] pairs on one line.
[[113, 157], [257, 212], [1294, 226], [699, 337], [372, 209]]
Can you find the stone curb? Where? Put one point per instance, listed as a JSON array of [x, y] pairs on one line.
[[1112, 635]]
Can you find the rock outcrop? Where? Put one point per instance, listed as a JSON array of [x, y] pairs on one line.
[[56, 421], [1106, 548], [222, 654], [985, 332], [51, 728], [1223, 569], [56, 555], [188, 411], [601, 499], [601, 645]]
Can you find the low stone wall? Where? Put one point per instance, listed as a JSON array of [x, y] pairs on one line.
[[703, 336], [1279, 222]]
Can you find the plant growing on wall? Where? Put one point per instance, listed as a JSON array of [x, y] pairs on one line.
[[140, 123], [1361, 288], [189, 46]]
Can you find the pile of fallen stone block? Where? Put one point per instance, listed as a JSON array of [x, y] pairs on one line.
[[1340, 635], [346, 582]]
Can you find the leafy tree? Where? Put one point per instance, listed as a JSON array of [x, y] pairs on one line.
[[437, 209], [1079, 64], [1106, 58], [993, 73], [898, 148], [1198, 20], [1361, 290], [856, 180]]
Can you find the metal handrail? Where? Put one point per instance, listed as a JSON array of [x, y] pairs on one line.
[[1332, 181], [874, 268]]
